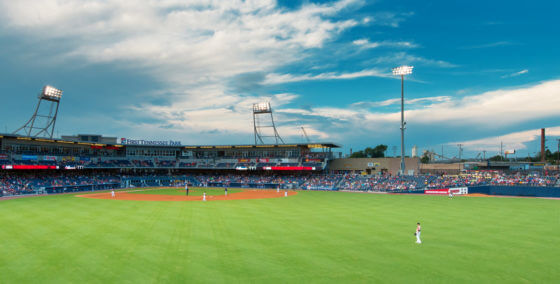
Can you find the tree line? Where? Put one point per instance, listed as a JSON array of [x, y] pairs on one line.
[[376, 152]]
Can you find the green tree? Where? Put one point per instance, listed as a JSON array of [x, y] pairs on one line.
[[376, 152], [497, 158], [359, 154]]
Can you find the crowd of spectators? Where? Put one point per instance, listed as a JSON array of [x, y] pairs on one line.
[[20, 183], [17, 183]]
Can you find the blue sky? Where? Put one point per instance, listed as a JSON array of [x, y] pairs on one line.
[[485, 71]]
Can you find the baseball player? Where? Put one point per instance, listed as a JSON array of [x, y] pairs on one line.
[[450, 194], [112, 193], [417, 234], [204, 196], [187, 188], [226, 191]]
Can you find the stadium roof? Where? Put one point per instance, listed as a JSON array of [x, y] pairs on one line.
[[308, 145]]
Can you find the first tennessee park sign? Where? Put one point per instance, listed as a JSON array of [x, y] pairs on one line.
[[125, 141]]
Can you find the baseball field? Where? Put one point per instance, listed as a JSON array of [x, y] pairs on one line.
[[333, 237]]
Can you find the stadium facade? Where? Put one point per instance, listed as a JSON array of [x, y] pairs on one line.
[[85, 151]]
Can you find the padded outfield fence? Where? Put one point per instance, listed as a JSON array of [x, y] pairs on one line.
[[528, 191]]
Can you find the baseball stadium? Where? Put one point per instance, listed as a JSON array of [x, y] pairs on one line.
[[274, 141], [99, 209]]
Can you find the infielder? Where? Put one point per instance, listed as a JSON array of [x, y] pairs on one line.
[[204, 196], [417, 234], [187, 188], [226, 191]]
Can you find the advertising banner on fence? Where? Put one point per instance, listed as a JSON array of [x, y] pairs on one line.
[[454, 190], [459, 190], [3, 157], [437, 191]]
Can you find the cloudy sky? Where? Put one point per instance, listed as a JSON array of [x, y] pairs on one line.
[[485, 72]]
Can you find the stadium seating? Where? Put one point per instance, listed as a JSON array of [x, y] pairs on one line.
[[13, 182]]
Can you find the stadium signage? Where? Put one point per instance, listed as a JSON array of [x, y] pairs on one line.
[[454, 190], [126, 141], [437, 191]]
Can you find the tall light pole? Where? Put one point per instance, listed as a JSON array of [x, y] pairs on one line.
[[402, 70]]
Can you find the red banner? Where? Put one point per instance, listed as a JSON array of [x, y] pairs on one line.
[[29, 167], [437, 191], [289, 168]]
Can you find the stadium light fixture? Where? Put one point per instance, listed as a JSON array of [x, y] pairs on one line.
[[51, 92], [263, 107], [401, 71]]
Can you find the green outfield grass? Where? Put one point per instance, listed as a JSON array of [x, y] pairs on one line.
[[195, 191], [332, 237]]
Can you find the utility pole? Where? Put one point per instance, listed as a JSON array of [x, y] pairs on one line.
[[501, 148]]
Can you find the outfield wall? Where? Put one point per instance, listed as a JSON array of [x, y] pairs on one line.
[[529, 191]]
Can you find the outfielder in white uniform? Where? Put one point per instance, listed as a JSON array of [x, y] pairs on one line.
[[418, 231], [112, 193]]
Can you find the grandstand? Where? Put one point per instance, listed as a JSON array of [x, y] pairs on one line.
[[77, 163], [19, 152]]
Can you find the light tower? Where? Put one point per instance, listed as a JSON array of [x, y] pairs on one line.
[[261, 111], [402, 70], [43, 120]]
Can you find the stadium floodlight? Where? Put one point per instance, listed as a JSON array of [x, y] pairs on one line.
[[43, 120], [401, 71], [51, 92], [263, 107], [263, 123]]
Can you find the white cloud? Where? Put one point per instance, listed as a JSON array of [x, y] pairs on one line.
[[491, 110], [524, 71], [193, 47], [405, 58], [179, 42], [366, 44], [489, 45], [274, 78], [408, 102], [495, 108]]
